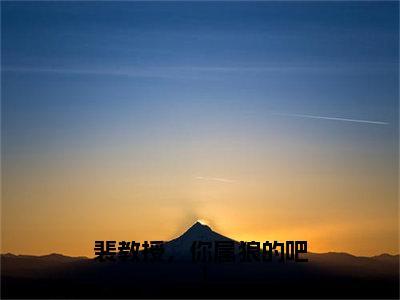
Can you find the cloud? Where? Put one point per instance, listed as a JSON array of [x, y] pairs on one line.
[[131, 72], [332, 118], [194, 71], [224, 180]]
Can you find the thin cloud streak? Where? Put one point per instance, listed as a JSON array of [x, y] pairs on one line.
[[195, 71], [137, 72], [164, 71], [224, 180], [331, 118]]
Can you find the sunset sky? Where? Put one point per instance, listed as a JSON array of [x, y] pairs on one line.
[[130, 121]]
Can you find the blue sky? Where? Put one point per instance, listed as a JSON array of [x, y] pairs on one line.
[[334, 59], [183, 85]]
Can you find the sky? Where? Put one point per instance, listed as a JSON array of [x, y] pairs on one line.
[[132, 120]]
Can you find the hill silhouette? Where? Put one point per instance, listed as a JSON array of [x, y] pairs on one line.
[[326, 275], [179, 247]]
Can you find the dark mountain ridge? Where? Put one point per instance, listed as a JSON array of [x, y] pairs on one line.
[[332, 274], [200, 232]]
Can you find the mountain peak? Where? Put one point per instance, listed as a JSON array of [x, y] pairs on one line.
[[198, 226], [198, 232]]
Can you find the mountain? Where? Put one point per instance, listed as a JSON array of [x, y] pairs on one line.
[[198, 232], [179, 248], [325, 275]]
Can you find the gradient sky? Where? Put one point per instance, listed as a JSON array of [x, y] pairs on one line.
[[130, 121]]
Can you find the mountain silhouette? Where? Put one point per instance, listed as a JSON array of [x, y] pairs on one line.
[[325, 275], [179, 248]]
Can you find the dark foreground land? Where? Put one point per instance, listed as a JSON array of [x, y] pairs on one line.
[[331, 275]]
